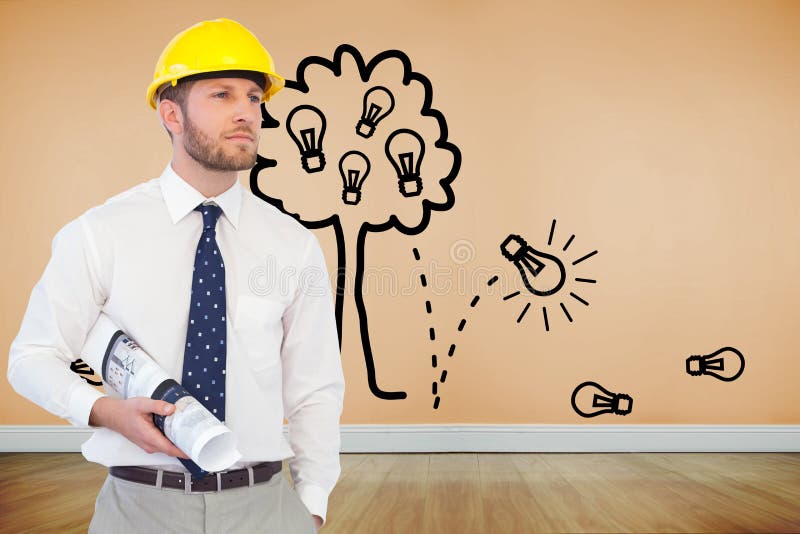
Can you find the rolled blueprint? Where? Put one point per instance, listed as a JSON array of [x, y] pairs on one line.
[[131, 372]]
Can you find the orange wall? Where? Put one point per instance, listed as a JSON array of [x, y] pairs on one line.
[[663, 134]]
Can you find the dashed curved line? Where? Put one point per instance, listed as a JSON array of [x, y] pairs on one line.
[[432, 334], [461, 325]]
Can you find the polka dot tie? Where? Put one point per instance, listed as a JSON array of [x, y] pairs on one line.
[[204, 353]]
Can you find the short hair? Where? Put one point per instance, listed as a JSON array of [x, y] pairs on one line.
[[176, 93]]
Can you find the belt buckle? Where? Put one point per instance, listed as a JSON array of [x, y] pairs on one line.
[[188, 483]]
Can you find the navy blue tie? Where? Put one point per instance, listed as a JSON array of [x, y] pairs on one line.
[[204, 354]]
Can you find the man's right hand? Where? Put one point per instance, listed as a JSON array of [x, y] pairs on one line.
[[133, 418]]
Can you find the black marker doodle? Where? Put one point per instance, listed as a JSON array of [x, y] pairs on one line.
[[406, 158], [602, 401], [526, 259], [726, 364], [354, 169], [543, 274], [432, 332], [82, 368], [451, 351], [306, 127], [378, 103], [352, 224]]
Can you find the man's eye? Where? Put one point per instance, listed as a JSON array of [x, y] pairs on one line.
[[255, 99], [223, 94]]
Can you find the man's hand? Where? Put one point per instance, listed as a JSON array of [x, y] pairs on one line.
[[317, 521], [133, 418]]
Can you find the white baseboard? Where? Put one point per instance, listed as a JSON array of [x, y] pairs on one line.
[[489, 438], [571, 438]]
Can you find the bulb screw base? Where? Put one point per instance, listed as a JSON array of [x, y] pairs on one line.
[[365, 128], [695, 365], [623, 404], [313, 161], [410, 186], [351, 195], [513, 248]]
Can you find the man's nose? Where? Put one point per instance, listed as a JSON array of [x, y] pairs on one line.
[[246, 112]]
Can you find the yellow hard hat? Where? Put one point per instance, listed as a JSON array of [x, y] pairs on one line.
[[213, 46]]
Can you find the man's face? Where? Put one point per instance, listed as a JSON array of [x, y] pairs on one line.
[[223, 123]]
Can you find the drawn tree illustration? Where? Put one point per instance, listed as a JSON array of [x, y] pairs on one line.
[[357, 147]]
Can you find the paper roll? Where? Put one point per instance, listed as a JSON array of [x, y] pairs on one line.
[[130, 372]]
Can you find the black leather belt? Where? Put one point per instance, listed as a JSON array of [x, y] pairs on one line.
[[214, 482]]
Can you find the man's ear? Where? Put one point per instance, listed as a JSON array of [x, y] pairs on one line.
[[171, 116]]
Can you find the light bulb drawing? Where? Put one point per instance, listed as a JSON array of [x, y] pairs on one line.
[[405, 150], [602, 401], [726, 364], [528, 262], [543, 274], [306, 126], [378, 103], [354, 168]]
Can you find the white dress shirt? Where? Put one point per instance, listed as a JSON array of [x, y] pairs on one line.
[[132, 258]]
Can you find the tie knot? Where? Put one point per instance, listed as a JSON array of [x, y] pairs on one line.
[[210, 214]]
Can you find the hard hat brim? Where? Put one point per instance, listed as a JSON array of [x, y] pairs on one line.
[[275, 82]]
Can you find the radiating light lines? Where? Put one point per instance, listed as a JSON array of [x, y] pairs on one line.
[[562, 304]]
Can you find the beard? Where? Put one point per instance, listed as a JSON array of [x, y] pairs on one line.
[[211, 154]]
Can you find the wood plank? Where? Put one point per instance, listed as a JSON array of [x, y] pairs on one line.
[[453, 502], [353, 497], [399, 504], [509, 505]]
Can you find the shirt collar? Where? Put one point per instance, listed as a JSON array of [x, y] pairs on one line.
[[181, 198]]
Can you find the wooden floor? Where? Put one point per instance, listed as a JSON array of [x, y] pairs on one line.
[[465, 493]]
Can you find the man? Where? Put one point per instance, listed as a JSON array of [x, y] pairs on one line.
[[270, 348]]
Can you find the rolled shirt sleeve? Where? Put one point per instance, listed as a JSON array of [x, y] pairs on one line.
[[62, 308], [313, 383]]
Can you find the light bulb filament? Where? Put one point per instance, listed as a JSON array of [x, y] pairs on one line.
[[407, 163], [308, 135], [374, 109]]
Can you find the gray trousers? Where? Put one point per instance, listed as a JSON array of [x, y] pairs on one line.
[[124, 507]]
